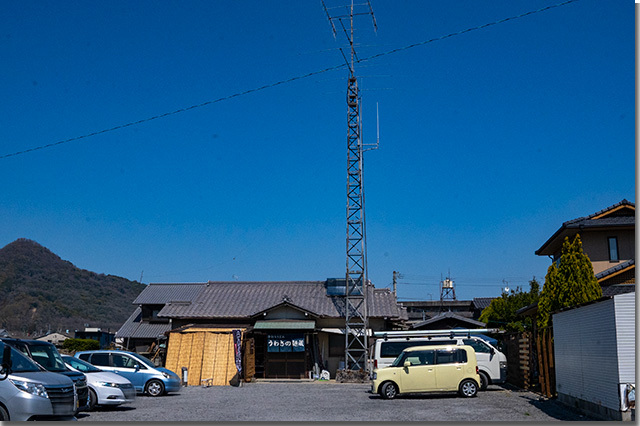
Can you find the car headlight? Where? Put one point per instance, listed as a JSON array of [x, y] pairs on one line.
[[503, 364], [374, 376], [81, 383], [32, 388], [166, 375], [108, 384]]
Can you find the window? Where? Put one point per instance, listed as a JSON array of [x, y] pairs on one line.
[[444, 356], [393, 349], [99, 359], [478, 346], [122, 361], [613, 249], [422, 358]]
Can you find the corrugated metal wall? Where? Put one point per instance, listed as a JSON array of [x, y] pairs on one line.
[[625, 311], [586, 354]]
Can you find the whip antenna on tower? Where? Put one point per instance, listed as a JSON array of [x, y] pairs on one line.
[[356, 279]]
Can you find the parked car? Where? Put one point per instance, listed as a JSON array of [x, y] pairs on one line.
[[105, 388], [46, 355], [440, 368], [139, 370], [28, 392], [492, 363]]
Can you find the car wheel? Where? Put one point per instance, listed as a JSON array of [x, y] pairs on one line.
[[388, 390], [468, 388], [93, 399], [4, 415], [154, 388], [484, 381]]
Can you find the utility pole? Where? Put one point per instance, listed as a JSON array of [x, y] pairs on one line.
[[395, 283], [356, 315]]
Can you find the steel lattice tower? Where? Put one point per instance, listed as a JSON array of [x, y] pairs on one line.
[[355, 300], [356, 315]]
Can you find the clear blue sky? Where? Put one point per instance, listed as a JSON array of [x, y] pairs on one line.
[[489, 139]]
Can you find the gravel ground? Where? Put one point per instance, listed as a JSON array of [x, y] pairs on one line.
[[330, 401]]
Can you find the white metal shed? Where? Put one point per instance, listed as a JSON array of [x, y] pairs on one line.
[[594, 348]]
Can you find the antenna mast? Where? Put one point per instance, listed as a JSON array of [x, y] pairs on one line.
[[356, 315]]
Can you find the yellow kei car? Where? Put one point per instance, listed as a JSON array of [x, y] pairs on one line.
[[440, 368]]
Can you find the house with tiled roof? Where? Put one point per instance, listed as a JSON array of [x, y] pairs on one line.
[[276, 316], [608, 238], [144, 327], [430, 314]]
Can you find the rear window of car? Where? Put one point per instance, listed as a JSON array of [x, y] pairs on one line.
[[393, 349]]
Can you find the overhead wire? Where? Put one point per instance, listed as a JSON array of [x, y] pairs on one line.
[[285, 81]]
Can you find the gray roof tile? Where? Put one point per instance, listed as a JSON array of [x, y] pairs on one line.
[[612, 290], [241, 299], [135, 328], [482, 302], [163, 293], [618, 267]]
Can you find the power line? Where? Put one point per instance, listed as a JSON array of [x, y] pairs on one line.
[[281, 82]]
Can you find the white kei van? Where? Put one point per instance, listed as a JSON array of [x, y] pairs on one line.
[[492, 364]]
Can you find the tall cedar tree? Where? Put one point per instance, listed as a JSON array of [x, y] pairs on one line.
[[501, 312], [570, 283]]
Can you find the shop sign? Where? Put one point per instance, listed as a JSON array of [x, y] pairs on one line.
[[285, 343]]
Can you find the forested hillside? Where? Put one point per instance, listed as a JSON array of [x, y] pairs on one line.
[[40, 291]]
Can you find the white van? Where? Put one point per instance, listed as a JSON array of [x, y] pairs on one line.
[[492, 363]]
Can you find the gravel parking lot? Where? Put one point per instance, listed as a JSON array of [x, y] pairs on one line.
[[330, 401]]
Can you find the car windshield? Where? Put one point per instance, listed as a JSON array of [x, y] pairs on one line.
[[19, 362], [80, 365], [48, 357], [146, 361]]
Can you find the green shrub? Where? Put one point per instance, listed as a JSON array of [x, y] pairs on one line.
[[75, 345]]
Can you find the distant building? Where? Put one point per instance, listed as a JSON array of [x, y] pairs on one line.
[[445, 314], [56, 338], [105, 338]]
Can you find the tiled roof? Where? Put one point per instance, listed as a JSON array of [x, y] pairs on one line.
[[482, 302], [163, 293], [615, 216], [612, 208], [448, 315], [237, 299], [612, 290], [618, 267], [135, 328]]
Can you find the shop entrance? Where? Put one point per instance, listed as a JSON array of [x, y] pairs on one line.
[[281, 355]]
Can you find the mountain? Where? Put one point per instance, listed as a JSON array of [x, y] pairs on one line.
[[40, 291]]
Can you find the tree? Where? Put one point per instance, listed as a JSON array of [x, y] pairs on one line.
[[569, 283], [501, 312]]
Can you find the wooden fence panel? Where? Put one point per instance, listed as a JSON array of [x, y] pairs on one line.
[[546, 364]]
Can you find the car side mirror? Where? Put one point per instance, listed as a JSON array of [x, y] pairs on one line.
[[136, 367], [493, 351], [407, 363]]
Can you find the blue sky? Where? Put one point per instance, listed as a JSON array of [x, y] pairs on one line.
[[489, 140]]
